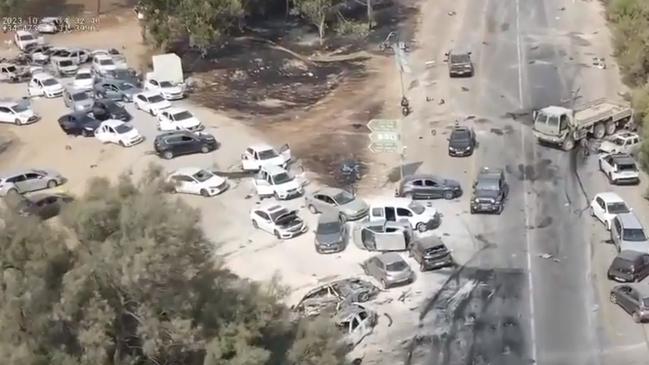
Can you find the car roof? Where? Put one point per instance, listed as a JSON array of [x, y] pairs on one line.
[[112, 122], [271, 207], [149, 93], [630, 255], [23, 32], [102, 56], [421, 176], [389, 257], [187, 171], [273, 170], [629, 220], [642, 288], [42, 75], [328, 190], [427, 242], [609, 197], [261, 147], [623, 158], [9, 102], [328, 217], [15, 172]]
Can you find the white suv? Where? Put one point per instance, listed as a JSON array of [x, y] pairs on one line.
[[23, 39], [18, 113], [175, 119], [620, 168], [275, 181]]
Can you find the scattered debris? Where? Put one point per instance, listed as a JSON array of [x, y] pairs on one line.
[[428, 98], [389, 319], [563, 8], [451, 13], [599, 62], [405, 294], [93, 166], [531, 62], [433, 132], [441, 102], [548, 256], [68, 147], [430, 63], [485, 43], [534, 48], [356, 125], [465, 89]]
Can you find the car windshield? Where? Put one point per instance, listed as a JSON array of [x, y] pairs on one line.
[[634, 235], [11, 69], [343, 198], [19, 108], [617, 208], [460, 58], [50, 82], [106, 62], [183, 115], [619, 141], [416, 207], [328, 228], [267, 154], [65, 63], [123, 128], [282, 178], [202, 175], [80, 96], [27, 37], [156, 99], [459, 136], [83, 76], [396, 266], [166, 84], [627, 167], [126, 86]]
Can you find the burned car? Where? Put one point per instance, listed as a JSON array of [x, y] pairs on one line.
[[489, 191], [459, 63], [383, 236], [355, 322], [332, 296]]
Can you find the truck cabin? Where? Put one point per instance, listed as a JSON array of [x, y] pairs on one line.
[[552, 120]]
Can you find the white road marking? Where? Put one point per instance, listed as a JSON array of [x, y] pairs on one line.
[[528, 240]]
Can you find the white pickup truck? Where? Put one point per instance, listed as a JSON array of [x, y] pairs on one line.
[[258, 155], [275, 181], [564, 127]]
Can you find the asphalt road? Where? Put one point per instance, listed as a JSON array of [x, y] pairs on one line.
[[508, 305]]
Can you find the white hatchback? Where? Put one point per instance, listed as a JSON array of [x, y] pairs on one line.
[[151, 102], [605, 206], [175, 119], [118, 132], [194, 180]]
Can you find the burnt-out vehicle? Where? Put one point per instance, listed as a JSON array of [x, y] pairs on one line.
[[489, 191], [332, 296]]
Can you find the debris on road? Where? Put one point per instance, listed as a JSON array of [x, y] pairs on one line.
[[451, 13], [430, 63], [428, 98], [389, 319], [599, 62], [441, 102], [465, 89], [548, 256], [563, 8], [404, 294]]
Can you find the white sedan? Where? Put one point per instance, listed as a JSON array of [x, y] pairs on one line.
[[175, 119], [151, 102], [167, 89], [84, 79], [605, 206], [118, 132], [194, 180]]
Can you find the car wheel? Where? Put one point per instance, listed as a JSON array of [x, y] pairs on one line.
[[52, 184], [121, 143], [448, 195], [205, 193], [277, 234], [312, 209], [363, 297], [421, 227], [254, 224], [17, 121], [12, 192], [636, 317], [613, 298], [204, 149], [168, 155]]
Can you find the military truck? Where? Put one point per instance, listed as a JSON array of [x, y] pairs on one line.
[[565, 127]]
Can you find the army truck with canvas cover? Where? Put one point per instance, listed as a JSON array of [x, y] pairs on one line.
[[565, 127]]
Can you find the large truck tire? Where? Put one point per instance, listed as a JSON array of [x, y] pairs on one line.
[[610, 127], [568, 144]]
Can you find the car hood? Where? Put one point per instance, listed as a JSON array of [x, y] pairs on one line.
[[26, 114], [642, 246], [133, 133], [459, 143], [354, 206], [485, 194], [161, 105], [171, 90], [329, 238], [132, 91], [57, 87], [608, 147], [189, 122], [214, 181], [293, 184]]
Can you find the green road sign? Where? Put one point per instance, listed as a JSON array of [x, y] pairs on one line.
[[385, 147], [383, 125]]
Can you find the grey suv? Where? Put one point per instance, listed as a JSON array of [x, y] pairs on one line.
[[459, 63], [489, 191], [428, 187], [627, 233], [389, 269]]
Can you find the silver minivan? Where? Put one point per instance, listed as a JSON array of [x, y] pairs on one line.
[[627, 233]]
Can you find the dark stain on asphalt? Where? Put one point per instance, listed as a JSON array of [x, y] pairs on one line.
[[504, 27], [545, 222], [485, 242], [540, 171], [496, 131], [235, 175], [508, 129], [482, 120]]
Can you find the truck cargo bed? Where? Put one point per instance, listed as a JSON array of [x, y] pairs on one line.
[[599, 110]]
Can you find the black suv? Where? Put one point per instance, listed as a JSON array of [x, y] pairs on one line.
[[78, 124], [489, 191], [461, 142], [459, 64], [104, 109], [172, 144]]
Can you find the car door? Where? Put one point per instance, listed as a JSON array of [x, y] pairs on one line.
[[631, 300], [34, 181], [264, 221], [404, 214], [6, 115], [433, 189], [418, 190], [368, 238], [20, 183], [262, 184], [600, 209], [248, 160], [391, 239], [616, 231], [112, 92], [285, 152], [190, 145], [140, 100]]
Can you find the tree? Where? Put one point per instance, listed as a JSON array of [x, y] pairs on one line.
[[10, 8], [316, 12], [130, 280], [316, 344]]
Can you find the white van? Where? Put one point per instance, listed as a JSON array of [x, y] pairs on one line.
[[421, 217]]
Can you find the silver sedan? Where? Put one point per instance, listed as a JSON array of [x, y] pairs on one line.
[[24, 181], [339, 201]]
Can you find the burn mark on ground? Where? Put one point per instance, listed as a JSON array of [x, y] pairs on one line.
[[545, 222], [496, 131], [540, 171]]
